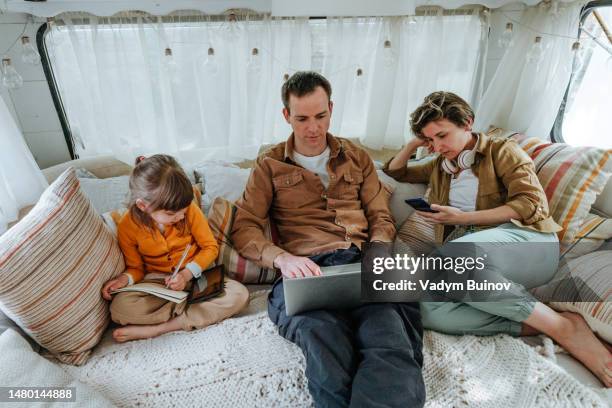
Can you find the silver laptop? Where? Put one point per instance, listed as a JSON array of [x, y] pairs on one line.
[[338, 287]]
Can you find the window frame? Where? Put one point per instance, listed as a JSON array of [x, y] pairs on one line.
[[556, 133], [55, 95]]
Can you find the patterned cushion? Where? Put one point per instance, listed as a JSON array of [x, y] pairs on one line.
[[417, 235], [591, 235], [572, 178], [52, 266], [590, 275], [221, 219]]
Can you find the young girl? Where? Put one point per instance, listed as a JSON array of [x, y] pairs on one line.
[[161, 222], [486, 190]]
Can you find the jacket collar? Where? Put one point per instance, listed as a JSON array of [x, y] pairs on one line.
[[482, 143], [335, 146]]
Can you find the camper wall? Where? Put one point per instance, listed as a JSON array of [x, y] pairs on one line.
[[31, 105]]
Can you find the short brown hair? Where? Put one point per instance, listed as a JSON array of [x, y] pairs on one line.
[[440, 105], [160, 182], [302, 83]]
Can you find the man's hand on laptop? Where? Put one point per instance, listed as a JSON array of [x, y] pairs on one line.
[[292, 266]]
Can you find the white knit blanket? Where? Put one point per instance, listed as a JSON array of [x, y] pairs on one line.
[[243, 362]]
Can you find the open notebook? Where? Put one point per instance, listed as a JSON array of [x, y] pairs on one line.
[[176, 296], [338, 287], [209, 285]]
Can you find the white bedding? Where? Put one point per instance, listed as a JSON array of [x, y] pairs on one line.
[[243, 362]]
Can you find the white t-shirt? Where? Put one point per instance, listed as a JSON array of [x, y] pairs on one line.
[[316, 164], [463, 191]]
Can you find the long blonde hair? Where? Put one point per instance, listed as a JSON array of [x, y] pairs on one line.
[[162, 184]]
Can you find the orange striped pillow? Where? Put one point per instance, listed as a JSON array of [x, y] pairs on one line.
[[572, 178], [53, 264], [591, 235], [221, 219]]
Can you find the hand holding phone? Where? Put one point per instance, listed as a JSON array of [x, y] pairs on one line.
[[420, 205]]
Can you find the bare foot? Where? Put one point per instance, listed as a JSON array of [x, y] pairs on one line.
[[580, 342], [135, 332]]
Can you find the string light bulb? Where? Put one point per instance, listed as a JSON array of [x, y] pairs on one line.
[[388, 54], [210, 62], [52, 38], [506, 40], [254, 63], [577, 57], [536, 53], [485, 19], [232, 28], [29, 55], [360, 79], [10, 77], [411, 23], [170, 66]]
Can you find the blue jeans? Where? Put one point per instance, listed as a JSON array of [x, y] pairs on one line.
[[369, 356]]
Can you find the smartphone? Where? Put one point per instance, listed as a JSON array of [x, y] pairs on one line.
[[420, 205]]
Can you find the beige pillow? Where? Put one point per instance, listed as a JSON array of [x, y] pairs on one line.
[[221, 220], [591, 235], [572, 177], [417, 235], [588, 279], [53, 264]]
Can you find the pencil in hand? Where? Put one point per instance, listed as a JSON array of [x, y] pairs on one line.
[[180, 264]]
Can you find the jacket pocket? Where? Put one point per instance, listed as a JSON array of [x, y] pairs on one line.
[[289, 190], [352, 185]]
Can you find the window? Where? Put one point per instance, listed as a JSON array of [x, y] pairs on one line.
[[204, 87], [584, 119]]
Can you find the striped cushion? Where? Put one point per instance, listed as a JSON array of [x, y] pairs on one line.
[[53, 264], [591, 274], [221, 219], [417, 234], [572, 178], [591, 235]]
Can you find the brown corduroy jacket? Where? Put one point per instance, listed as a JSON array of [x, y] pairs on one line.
[[506, 176], [311, 219]]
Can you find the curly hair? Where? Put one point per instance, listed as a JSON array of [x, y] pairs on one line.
[[440, 105]]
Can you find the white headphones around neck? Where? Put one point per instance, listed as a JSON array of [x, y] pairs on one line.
[[465, 160]]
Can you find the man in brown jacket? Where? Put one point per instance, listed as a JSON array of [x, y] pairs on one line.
[[324, 196]]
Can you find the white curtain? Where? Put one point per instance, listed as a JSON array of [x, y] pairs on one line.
[[122, 97], [524, 94], [426, 54], [21, 181]]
